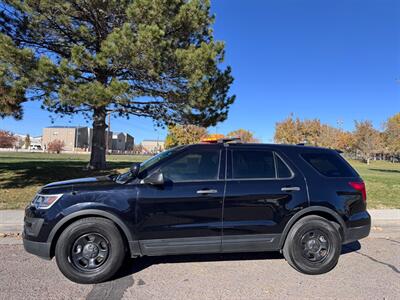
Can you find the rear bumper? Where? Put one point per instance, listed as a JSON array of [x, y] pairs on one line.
[[352, 234], [41, 249], [356, 233]]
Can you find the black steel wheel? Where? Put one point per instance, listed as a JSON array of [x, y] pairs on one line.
[[90, 250], [313, 245]]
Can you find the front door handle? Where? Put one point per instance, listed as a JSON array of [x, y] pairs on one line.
[[290, 189], [205, 192]]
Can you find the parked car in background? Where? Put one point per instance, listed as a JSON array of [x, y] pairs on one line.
[[206, 198], [35, 147]]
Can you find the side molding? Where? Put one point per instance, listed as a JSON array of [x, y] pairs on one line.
[[308, 210]]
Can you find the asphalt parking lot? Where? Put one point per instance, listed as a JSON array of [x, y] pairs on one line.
[[366, 270]]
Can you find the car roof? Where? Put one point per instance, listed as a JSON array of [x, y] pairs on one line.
[[258, 145]]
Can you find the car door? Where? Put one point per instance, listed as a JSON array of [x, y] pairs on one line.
[[262, 191], [184, 215]]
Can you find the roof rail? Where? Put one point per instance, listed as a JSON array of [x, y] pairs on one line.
[[228, 140]]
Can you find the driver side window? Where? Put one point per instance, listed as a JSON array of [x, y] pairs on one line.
[[201, 165]]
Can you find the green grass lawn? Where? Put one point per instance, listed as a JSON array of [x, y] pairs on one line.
[[382, 180], [22, 174]]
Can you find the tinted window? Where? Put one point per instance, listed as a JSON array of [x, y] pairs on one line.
[[253, 164], [281, 168], [193, 166], [330, 165]]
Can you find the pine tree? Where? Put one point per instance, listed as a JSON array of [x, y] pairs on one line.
[[150, 58]]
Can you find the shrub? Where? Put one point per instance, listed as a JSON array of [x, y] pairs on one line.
[[55, 146]]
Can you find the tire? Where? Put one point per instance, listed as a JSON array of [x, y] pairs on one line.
[[313, 245], [90, 250]]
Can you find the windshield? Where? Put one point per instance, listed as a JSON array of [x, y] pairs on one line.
[[122, 178], [155, 159]]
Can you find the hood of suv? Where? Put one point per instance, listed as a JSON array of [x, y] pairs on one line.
[[89, 181]]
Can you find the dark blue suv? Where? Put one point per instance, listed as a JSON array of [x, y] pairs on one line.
[[204, 198]]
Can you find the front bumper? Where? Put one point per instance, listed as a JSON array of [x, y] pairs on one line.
[[41, 249], [32, 228]]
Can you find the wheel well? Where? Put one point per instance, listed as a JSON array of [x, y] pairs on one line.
[[69, 222], [323, 214], [327, 216]]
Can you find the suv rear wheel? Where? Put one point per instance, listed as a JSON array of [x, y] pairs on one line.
[[90, 250], [313, 245]]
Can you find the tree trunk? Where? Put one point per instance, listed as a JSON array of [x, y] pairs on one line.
[[98, 153]]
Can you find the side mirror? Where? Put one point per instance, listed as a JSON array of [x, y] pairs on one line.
[[135, 169], [156, 178]]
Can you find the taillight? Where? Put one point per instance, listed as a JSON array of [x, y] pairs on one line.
[[360, 186]]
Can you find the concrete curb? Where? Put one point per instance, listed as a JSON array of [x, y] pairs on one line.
[[11, 221]]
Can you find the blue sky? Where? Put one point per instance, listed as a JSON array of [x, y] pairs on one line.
[[336, 60]]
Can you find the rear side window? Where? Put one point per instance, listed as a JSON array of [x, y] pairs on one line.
[[253, 164], [329, 164]]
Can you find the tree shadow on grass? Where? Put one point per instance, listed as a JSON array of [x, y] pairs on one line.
[[26, 173], [385, 170]]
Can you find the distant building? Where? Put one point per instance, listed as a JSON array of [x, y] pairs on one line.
[[78, 138], [122, 142], [20, 142], [35, 142], [152, 146], [129, 142], [108, 140], [74, 138]]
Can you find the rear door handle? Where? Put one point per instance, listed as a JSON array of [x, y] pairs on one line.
[[290, 189], [205, 192]]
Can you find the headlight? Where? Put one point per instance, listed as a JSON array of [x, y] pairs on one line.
[[45, 201]]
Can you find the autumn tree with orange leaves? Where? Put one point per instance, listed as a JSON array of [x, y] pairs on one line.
[[245, 136]]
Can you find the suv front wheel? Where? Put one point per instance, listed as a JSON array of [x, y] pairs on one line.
[[90, 250], [313, 245]]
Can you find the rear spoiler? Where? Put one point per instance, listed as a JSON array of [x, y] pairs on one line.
[[337, 150]]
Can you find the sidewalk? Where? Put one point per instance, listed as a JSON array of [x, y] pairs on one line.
[[11, 221]]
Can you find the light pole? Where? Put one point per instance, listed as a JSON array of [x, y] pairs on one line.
[[108, 132]]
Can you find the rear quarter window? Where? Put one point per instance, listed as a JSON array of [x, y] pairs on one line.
[[329, 164], [253, 164]]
